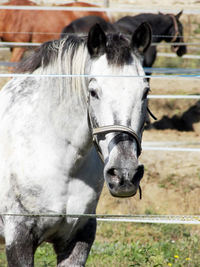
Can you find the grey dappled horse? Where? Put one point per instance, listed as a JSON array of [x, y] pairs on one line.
[[48, 164]]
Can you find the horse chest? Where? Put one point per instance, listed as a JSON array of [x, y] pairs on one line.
[[85, 185], [81, 198]]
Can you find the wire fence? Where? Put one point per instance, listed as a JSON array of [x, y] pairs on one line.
[[59, 8], [169, 219], [158, 219], [28, 44], [176, 76], [102, 9], [84, 34]]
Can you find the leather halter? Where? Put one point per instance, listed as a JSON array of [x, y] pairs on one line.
[[175, 27], [110, 129], [95, 131]]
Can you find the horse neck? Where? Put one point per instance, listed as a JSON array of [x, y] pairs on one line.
[[64, 99], [67, 117]]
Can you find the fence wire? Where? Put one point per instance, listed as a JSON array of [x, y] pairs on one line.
[[166, 219], [102, 9]]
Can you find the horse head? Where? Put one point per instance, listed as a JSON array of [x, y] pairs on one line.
[[176, 31], [117, 105]]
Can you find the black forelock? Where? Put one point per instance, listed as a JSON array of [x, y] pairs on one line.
[[118, 50]]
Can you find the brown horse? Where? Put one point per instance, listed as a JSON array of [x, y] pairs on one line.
[[37, 25]]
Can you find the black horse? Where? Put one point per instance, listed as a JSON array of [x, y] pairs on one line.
[[83, 25], [165, 27]]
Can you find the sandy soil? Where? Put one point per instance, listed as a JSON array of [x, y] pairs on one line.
[[171, 184]]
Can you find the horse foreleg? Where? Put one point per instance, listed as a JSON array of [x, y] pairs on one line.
[[20, 245], [75, 252], [17, 54]]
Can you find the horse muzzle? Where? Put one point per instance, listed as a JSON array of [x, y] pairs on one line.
[[123, 182], [182, 50], [122, 172]]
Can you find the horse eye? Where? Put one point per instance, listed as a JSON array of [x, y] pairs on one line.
[[145, 93], [93, 93]]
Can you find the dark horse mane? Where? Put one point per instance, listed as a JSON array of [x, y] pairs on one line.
[[46, 53], [117, 50]]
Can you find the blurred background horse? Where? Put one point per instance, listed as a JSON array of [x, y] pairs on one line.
[[37, 25], [83, 25], [165, 27]]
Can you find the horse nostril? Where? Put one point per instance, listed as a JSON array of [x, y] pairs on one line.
[[111, 185], [112, 172], [114, 177]]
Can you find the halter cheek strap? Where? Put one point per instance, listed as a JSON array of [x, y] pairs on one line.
[[175, 28]]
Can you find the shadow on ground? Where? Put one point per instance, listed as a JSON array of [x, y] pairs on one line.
[[181, 123]]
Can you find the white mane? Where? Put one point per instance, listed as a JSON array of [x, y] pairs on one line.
[[71, 61]]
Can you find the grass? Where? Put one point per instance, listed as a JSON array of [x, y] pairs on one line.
[[145, 245], [126, 244]]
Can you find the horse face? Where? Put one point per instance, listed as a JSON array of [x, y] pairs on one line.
[[119, 101], [177, 29]]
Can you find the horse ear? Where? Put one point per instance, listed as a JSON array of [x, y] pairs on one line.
[[179, 14], [141, 38], [96, 42]]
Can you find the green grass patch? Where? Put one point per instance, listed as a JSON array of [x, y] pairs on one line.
[[45, 256], [146, 245], [126, 244]]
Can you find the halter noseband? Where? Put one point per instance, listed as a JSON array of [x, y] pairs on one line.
[[95, 131]]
